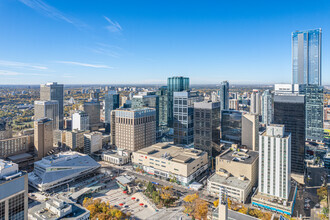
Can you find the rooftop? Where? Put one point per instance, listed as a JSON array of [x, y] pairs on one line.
[[240, 155], [230, 181]]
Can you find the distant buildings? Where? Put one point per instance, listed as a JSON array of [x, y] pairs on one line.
[[233, 104], [43, 137], [80, 121], [5, 132], [224, 95], [267, 107], [133, 129], [162, 93], [13, 192], [255, 105], [250, 131], [58, 170], [92, 142], [207, 126], [92, 109], [236, 172], [53, 92], [111, 102], [168, 161]]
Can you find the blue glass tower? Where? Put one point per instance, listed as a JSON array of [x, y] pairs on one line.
[[224, 95], [306, 57]]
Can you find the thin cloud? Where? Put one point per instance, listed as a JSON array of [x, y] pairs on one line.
[[49, 11], [14, 64], [9, 73], [86, 64], [113, 26]]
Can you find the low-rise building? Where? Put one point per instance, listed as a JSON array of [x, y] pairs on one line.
[[119, 157], [16, 145], [236, 171], [168, 161]]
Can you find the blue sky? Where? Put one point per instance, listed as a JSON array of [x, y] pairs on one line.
[[110, 42]]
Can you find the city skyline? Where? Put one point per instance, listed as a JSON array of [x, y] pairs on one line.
[[144, 43]]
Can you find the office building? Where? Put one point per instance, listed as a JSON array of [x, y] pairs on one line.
[[75, 139], [207, 126], [133, 129], [73, 165], [236, 172], [267, 107], [231, 126], [47, 109], [111, 102], [175, 84], [250, 131], [92, 142], [255, 105], [289, 110], [168, 161], [58, 138], [43, 137], [162, 94], [16, 145], [306, 57], [183, 116], [92, 109], [80, 121], [224, 95], [233, 104], [13, 192], [53, 92]]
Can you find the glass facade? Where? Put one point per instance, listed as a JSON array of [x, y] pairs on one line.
[[111, 102], [231, 126], [162, 93], [306, 57], [224, 95], [267, 107]]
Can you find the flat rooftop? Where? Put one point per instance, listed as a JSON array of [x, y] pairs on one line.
[[230, 181], [241, 156]]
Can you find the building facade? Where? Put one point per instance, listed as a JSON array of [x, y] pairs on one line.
[[111, 102], [92, 142], [231, 126], [92, 109], [250, 131], [162, 93], [80, 121], [224, 95], [47, 109], [267, 107], [255, 105], [16, 145]]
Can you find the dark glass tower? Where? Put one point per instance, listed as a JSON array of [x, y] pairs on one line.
[[224, 95], [111, 102], [231, 126]]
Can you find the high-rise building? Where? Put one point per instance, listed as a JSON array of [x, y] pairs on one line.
[[207, 126], [75, 139], [183, 116], [274, 162], [306, 57], [92, 142], [80, 121], [289, 110], [47, 109], [43, 137], [133, 129], [224, 95], [162, 93], [250, 131], [231, 126], [267, 107], [255, 105], [13, 192], [93, 108], [233, 104], [53, 91], [175, 84], [111, 102]]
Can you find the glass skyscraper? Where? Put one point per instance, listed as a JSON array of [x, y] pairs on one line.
[[224, 95], [111, 102], [267, 107], [231, 126], [306, 57], [162, 93]]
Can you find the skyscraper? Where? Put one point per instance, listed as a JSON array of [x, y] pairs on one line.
[[47, 109], [92, 108], [162, 93], [80, 121], [224, 95], [111, 102], [289, 110], [43, 137], [183, 116], [306, 57], [207, 126], [274, 162], [255, 105], [175, 84], [53, 91], [267, 108], [231, 126], [250, 131]]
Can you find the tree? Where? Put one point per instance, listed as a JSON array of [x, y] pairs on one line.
[[216, 203], [201, 209], [243, 210], [322, 193]]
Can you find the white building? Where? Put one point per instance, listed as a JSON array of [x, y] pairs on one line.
[[275, 162], [80, 121], [120, 157], [255, 105], [267, 107], [60, 169], [92, 142]]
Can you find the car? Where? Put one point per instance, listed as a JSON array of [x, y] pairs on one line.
[[317, 205]]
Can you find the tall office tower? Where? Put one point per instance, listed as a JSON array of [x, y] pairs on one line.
[[207, 126], [80, 121], [306, 57], [183, 116], [133, 129], [267, 107], [175, 84], [147, 99], [289, 110], [13, 192], [5, 132], [53, 91], [255, 105], [47, 109], [92, 142], [111, 102], [93, 108], [250, 131], [162, 94], [274, 162], [224, 95], [233, 104], [314, 112], [43, 137], [231, 126]]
